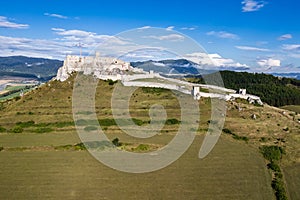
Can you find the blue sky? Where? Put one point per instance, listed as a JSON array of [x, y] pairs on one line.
[[239, 34]]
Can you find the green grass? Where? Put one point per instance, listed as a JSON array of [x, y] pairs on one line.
[[36, 170], [60, 174], [295, 108], [292, 179]]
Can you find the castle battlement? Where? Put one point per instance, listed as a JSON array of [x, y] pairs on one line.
[[91, 65]]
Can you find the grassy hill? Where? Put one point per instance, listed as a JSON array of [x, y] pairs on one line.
[[41, 156]]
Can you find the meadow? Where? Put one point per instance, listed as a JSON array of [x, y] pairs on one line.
[[41, 156]]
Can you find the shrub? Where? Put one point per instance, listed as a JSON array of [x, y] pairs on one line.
[[142, 147], [227, 131], [2, 130], [63, 124], [246, 139], [274, 166], [272, 153], [90, 128], [79, 146], [17, 129], [116, 142], [172, 121], [138, 121], [84, 122], [25, 124], [111, 82], [1, 148], [64, 147], [43, 130], [278, 187], [107, 122]]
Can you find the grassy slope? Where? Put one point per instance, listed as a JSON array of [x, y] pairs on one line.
[[232, 171], [295, 108]]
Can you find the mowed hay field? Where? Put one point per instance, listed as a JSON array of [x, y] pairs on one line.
[[231, 171], [38, 162]]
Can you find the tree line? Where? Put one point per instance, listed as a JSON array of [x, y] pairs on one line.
[[275, 91]]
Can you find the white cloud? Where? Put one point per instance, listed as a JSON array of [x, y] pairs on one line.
[[215, 61], [189, 28], [170, 28], [144, 27], [252, 5], [5, 23], [223, 34], [270, 62], [291, 47], [171, 37], [247, 48], [56, 15], [285, 37], [66, 43], [76, 33]]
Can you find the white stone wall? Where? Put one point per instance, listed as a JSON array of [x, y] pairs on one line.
[[90, 65]]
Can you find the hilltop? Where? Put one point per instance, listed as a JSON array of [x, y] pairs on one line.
[[41, 124]]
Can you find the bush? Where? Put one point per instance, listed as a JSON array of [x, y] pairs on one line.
[[278, 187], [246, 139], [43, 130], [25, 124], [79, 146], [111, 82], [84, 122], [17, 129], [142, 147], [116, 142], [63, 124], [2, 130], [274, 166], [1, 148], [227, 131], [90, 128], [138, 121], [107, 122], [272, 153], [172, 121]]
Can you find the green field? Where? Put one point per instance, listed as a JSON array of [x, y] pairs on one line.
[[39, 162], [231, 171], [295, 108], [293, 180]]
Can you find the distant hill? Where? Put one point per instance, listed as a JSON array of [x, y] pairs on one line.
[[288, 75], [21, 66], [180, 66], [275, 91]]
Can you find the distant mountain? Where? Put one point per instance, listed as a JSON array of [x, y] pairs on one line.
[[21, 66], [175, 67], [288, 75]]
